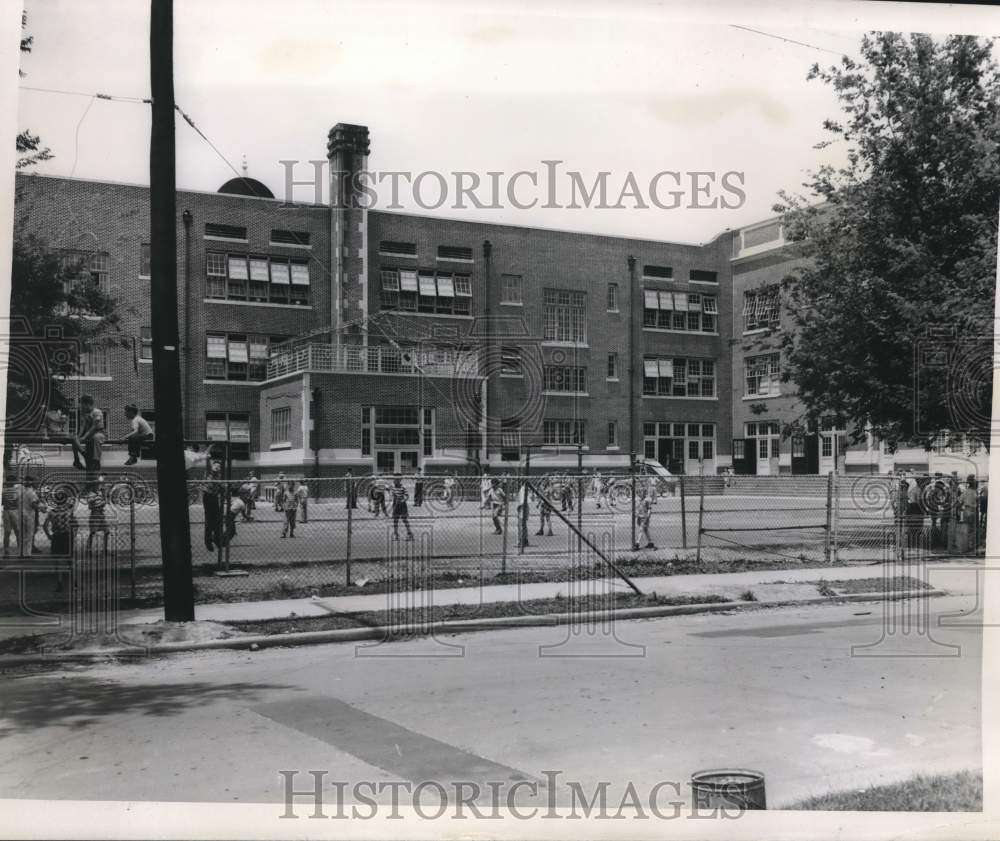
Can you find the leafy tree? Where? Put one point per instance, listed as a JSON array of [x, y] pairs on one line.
[[56, 311], [903, 244], [27, 143]]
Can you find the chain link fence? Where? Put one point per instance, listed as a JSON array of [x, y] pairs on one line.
[[306, 536]]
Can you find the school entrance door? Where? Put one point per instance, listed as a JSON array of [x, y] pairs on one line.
[[397, 461]]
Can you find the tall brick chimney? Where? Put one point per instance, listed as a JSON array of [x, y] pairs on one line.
[[347, 151]]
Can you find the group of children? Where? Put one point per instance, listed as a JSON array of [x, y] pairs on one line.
[[23, 507]]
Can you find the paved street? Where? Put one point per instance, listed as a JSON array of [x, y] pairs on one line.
[[775, 690]]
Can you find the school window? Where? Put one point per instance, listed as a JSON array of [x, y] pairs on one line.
[[701, 276], [93, 362], [565, 316], [678, 377], [281, 422], [510, 440], [761, 307], [393, 248], [566, 378], [427, 432], [612, 303], [511, 289], [690, 312], [230, 426], [612, 434], [218, 231], [762, 375], [572, 432], [366, 431], [256, 278], [100, 277], [282, 237], [425, 290], [510, 362], [145, 343], [237, 356], [454, 252], [612, 366], [659, 272], [145, 260], [798, 447]]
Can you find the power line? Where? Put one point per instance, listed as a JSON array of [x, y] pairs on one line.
[[786, 40], [76, 138], [106, 96], [215, 149]]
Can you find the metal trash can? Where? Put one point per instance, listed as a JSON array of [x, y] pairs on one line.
[[729, 788]]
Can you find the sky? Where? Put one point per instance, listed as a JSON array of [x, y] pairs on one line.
[[631, 87]]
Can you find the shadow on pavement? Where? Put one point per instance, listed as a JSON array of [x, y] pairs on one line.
[[76, 701]]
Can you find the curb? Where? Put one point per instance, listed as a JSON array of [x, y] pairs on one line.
[[263, 641]]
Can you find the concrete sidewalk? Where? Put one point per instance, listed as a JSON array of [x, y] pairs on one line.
[[955, 577]]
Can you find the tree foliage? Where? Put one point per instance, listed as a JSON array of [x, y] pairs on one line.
[[893, 308], [57, 311], [29, 148]]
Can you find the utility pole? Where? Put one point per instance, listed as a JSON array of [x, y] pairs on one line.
[[171, 478]]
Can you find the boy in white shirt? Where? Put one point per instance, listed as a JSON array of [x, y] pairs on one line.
[[141, 432]]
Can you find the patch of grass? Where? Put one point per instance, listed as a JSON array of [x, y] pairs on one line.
[[878, 585], [748, 596], [825, 589], [961, 792], [559, 604]]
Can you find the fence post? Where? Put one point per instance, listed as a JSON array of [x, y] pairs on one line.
[[523, 519], [829, 516], [701, 513], [350, 527], [131, 517], [631, 468], [224, 513], [579, 502], [684, 520], [506, 520]]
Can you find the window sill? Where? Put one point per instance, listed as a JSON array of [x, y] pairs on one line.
[[758, 330], [754, 397], [283, 445], [89, 378], [232, 382], [613, 448], [674, 397], [410, 313], [681, 332], [145, 361], [145, 277], [267, 304], [615, 312], [566, 393], [705, 282], [466, 260], [612, 380], [397, 255], [289, 245], [512, 303], [554, 343], [511, 376], [224, 239]]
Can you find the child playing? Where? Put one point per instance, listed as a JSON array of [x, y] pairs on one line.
[[140, 434], [498, 504], [544, 515], [643, 513], [97, 503], [399, 510]]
